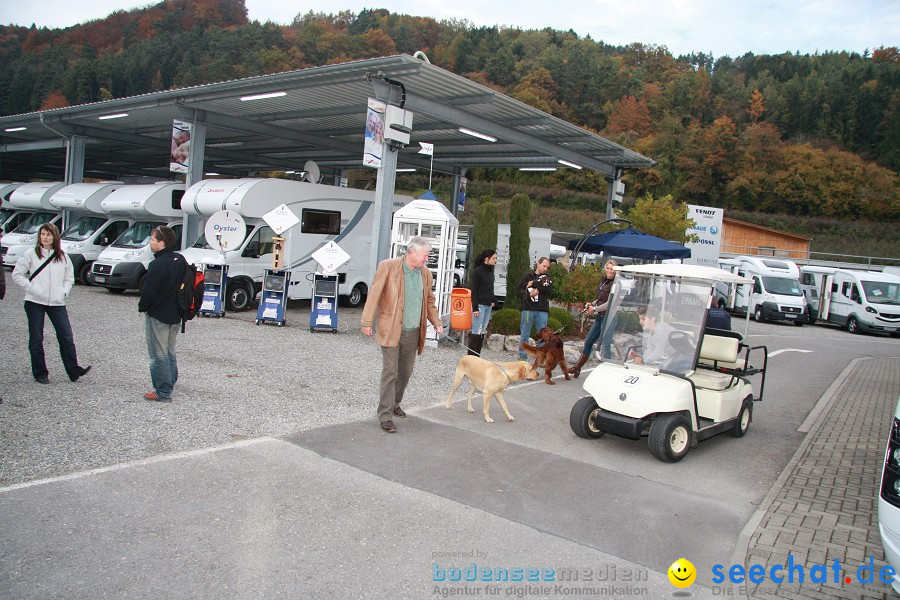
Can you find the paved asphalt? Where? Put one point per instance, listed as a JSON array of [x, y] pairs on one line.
[[269, 477]]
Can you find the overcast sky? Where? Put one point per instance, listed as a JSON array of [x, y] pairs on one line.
[[719, 27]]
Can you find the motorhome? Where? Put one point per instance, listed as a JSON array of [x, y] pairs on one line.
[[82, 200], [858, 300], [123, 265], [92, 230], [35, 197], [775, 293], [539, 246], [326, 213], [9, 217]]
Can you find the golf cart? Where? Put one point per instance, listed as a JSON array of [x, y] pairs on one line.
[[667, 376]]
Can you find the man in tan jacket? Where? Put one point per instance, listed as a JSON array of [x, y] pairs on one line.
[[401, 297]]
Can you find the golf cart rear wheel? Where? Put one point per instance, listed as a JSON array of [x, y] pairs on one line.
[[742, 424], [670, 437], [581, 419]]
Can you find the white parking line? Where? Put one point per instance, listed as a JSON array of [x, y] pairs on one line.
[[777, 352]]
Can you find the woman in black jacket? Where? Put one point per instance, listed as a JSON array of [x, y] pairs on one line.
[[482, 298]]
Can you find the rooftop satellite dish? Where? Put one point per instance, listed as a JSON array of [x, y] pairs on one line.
[[312, 171], [225, 231]]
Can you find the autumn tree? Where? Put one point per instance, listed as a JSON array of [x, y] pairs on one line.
[[484, 234], [662, 217]]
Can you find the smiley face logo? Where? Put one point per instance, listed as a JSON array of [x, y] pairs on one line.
[[682, 573]]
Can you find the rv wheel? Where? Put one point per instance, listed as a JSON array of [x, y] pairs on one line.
[[670, 437], [237, 296], [83, 273], [758, 314], [852, 325], [355, 298]]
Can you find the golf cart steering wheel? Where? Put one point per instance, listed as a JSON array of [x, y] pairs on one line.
[[682, 341]]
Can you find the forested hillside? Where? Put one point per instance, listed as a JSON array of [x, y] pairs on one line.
[[809, 135]]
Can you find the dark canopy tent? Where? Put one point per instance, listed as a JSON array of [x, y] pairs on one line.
[[631, 243]]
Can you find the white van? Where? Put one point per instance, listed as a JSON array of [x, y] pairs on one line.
[[124, 263], [775, 293], [858, 300], [326, 213], [35, 197]]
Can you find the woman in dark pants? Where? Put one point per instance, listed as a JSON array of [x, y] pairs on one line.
[[599, 308], [482, 298], [47, 275]]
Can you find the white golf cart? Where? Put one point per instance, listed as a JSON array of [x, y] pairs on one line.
[[667, 376]]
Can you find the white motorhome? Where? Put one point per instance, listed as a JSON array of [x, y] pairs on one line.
[[326, 213], [858, 300], [34, 197], [9, 217], [775, 293], [538, 247], [124, 263], [82, 200]]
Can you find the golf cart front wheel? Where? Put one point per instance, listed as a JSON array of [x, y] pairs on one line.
[[670, 437], [742, 424], [581, 419]]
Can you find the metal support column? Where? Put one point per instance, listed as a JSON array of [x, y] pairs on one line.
[[192, 223], [74, 169], [385, 183]]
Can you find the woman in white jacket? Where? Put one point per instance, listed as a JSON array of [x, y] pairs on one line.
[[47, 275]]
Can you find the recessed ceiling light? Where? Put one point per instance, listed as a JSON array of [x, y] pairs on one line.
[[263, 96], [115, 116], [477, 134], [406, 170], [16, 128], [537, 168], [211, 174], [568, 164]]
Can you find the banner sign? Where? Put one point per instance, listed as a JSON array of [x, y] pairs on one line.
[[708, 227], [374, 133], [181, 146]]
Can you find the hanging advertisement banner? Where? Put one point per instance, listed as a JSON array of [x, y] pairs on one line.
[[708, 227], [374, 143], [181, 146]]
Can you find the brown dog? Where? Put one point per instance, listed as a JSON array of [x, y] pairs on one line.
[[491, 379], [549, 355]]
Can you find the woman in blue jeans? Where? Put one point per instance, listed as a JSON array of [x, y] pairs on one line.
[[482, 298], [47, 275], [598, 307]]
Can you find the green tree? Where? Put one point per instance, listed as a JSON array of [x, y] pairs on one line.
[[519, 243], [662, 217], [484, 235]]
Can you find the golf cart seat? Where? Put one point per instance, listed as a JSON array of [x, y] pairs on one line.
[[716, 351]]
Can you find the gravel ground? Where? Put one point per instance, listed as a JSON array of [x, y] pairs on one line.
[[237, 380]]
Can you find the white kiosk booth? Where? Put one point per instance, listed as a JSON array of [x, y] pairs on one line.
[[430, 219]]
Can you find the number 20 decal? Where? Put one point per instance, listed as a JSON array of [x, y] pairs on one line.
[[631, 380]]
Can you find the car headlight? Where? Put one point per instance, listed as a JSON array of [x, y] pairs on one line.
[[28, 239], [869, 309], [76, 247], [769, 298], [130, 255]]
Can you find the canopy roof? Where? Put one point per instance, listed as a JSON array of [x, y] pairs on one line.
[[320, 116], [685, 271], [631, 243]]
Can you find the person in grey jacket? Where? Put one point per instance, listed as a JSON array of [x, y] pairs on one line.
[[47, 275]]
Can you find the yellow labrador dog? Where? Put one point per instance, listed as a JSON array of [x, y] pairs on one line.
[[490, 379]]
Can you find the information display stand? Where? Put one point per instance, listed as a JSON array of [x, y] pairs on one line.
[[323, 314], [273, 303], [215, 280]]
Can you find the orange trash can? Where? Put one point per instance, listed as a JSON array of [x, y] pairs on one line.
[[461, 309]]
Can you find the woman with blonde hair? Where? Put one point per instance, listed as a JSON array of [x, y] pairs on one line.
[[598, 308], [47, 275]]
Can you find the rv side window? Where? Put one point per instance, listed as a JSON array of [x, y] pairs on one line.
[[845, 289], [177, 195], [807, 279], [327, 222], [854, 294]]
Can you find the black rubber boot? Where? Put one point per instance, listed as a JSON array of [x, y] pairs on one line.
[[475, 342]]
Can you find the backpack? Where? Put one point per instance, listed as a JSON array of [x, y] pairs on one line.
[[190, 293]]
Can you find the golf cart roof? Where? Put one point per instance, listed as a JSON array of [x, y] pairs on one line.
[[686, 271]]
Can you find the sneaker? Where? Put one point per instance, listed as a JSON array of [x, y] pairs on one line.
[[388, 426], [151, 396], [399, 412]]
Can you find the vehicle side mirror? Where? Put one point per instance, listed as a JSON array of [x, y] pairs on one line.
[[458, 264], [757, 289], [103, 241], [252, 250]]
